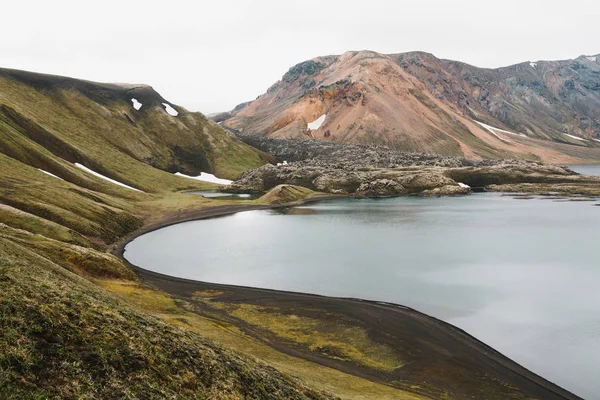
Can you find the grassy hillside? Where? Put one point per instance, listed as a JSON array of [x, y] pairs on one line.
[[50, 122], [63, 333], [63, 337]]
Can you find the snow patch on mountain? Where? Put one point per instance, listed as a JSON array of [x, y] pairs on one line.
[[494, 130], [575, 137], [136, 104], [206, 178], [316, 124], [170, 110], [86, 169], [50, 174]]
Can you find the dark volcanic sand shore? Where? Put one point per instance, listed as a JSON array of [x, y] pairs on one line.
[[439, 359]]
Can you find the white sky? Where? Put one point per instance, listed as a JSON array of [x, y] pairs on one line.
[[212, 55]]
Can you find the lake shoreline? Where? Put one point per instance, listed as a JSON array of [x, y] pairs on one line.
[[118, 248], [466, 349]]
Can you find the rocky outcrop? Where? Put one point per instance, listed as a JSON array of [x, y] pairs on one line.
[[379, 188], [346, 153], [371, 171]]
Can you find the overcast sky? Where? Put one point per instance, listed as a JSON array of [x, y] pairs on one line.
[[212, 55]]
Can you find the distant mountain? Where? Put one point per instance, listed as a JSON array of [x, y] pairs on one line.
[[544, 110]]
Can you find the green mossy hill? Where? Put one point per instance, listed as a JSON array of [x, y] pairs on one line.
[[63, 337], [286, 194], [51, 122], [103, 211]]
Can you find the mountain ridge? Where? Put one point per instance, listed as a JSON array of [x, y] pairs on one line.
[[417, 102]]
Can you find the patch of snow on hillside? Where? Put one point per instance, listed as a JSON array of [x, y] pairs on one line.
[[597, 140], [533, 65], [575, 137], [106, 178], [136, 104], [464, 185], [500, 130], [206, 178], [495, 134], [170, 110], [48, 173], [493, 130], [279, 164], [316, 124], [591, 59]]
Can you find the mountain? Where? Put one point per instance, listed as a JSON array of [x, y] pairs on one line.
[[545, 110], [122, 131]]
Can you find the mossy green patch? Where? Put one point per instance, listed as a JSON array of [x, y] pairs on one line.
[[327, 336]]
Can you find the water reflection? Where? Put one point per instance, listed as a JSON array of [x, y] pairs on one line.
[[586, 169], [293, 211], [224, 196]]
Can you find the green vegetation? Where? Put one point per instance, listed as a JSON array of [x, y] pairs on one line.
[[67, 121], [286, 194], [63, 337], [328, 334], [209, 322]]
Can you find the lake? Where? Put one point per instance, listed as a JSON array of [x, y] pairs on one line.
[[586, 169], [521, 275]]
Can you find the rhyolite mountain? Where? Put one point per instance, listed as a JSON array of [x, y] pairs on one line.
[[544, 110]]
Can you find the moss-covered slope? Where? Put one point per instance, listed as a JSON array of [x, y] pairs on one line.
[[51, 122], [63, 337]]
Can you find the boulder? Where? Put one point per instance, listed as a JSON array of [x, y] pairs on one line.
[[380, 188]]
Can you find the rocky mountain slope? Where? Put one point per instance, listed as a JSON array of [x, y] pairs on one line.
[[545, 110]]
